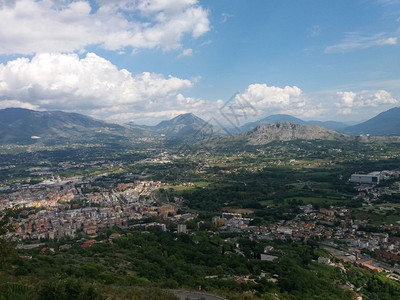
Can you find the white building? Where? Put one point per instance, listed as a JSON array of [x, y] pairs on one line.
[[182, 228], [371, 178]]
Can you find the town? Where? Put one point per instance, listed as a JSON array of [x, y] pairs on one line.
[[254, 204]]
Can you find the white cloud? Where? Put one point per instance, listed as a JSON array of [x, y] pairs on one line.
[[16, 103], [387, 41], [164, 5], [265, 97], [225, 17], [353, 103], [93, 85], [354, 41], [187, 52], [150, 118], [166, 109], [347, 98], [260, 100], [64, 81], [28, 26]]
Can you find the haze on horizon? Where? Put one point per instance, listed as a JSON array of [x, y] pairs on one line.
[[146, 61]]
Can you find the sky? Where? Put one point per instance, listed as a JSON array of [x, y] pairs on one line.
[[230, 61]]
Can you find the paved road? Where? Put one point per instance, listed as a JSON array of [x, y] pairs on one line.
[[191, 295]]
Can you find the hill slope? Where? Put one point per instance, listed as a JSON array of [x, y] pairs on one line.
[[187, 127], [23, 126], [386, 123]]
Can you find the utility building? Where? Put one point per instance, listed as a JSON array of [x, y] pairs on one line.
[[371, 178]]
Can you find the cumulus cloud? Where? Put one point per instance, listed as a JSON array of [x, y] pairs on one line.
[[265, 97], [16, 103], [260, 100], [29, 26], [93, 85], [355, 41], [65, 81], [351, 102], [187, 52], [167, 109]]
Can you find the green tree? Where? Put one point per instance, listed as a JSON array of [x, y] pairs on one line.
[[7, 246]]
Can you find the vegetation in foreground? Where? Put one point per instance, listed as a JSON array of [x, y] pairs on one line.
[[145, 265]]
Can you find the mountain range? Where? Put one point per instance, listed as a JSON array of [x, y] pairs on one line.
[[23, 126]]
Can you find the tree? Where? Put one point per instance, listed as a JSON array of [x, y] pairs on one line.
[[5, 223], [7, 249]]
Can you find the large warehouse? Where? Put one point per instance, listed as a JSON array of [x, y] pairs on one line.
[[371, 178]]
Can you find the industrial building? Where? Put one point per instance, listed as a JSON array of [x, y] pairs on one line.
[[371, 178]]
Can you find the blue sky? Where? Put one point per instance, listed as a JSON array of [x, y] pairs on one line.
[[151, 60]]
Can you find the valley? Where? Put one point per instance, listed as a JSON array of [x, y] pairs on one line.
[[224, 215]]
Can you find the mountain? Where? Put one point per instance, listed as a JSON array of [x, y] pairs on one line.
[[334, 125], [281, 118], [24, 126], [142, 130], [287, 131], [187, 127], [386, 123]]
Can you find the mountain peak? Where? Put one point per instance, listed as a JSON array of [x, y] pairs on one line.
[[187, 126], [188, 117], [183, 119]]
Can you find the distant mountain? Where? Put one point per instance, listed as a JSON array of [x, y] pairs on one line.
[[334, 125], [187, 127], [24, 126], [386, 123], [281, 118], [142, 130], [287, 131]]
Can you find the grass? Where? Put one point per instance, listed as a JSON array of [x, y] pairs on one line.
[[392, 219], [267, 202], [373, 218], [378, 216]]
